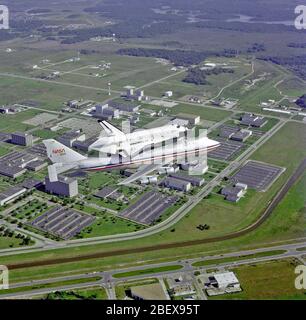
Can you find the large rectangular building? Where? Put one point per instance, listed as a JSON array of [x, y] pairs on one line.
[[22, 139], [11, 194], [176, 184], [65, 186], [70, 137]]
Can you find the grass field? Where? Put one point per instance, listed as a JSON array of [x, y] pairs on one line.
[[146, 271], [210, 90], [49, 285], [108, 224], [205, 113], [267, 281], [121, 288], [3, 151], [232, 259], [91, 293], [10, 123], [9, 242], [263, 89]]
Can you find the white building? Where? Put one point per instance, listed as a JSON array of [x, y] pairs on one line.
[[168, 94]]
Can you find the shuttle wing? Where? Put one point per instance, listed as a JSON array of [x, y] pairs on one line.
[[110, 129], [57, 168], [142, 171]]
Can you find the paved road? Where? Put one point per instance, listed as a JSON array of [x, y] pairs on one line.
[[109, 282]]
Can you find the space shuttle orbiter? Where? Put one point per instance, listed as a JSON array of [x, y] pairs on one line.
[[118, 142]]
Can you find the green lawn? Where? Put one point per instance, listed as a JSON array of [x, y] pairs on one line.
[[50, 285], [9, 242], [3, 151], [91, 293], [121, 288], [146, 271], [10, 123], [204, 112], [108, 224], [267, 281], [232, 259]]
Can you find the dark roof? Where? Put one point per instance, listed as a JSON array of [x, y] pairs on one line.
[[36, 164], [31, 183], [10, 170], [10, 192], [105, 192], [63, 179], [230, 191], [194, 180]]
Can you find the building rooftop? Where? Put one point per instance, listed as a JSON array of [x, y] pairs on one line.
[[176, 183], [105, 192], [63, 179], [10, 192], [252, 120], [10, 170], [194, 180], [31, 183], [226, 278], [72, 134], [21, 134], [36, 164]]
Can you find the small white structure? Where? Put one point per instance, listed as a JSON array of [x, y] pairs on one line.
[[168, 94], [221, 283]]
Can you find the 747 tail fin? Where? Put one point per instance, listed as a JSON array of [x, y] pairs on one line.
[[59, 153]]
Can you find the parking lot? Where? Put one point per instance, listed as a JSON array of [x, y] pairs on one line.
[[149, 208], [89, 127], [41, 119], [226, 150], [62, 222], [257, 175]]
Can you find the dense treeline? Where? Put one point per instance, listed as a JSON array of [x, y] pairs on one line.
[[127, 29], [177, 57], [301, 101], [256, 47], [297, 64], [198, 76], [245, 27], [297, 45]]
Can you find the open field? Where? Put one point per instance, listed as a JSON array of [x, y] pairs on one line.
[[90, 293], [216, 82], [10, 123], [205, 113], [49, 285], [46, 95], [121, 288], [268, 280], [9, 242], [147, 271], [232, 259]]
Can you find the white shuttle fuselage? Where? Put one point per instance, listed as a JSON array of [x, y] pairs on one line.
[[116, 141], [180, 152]]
